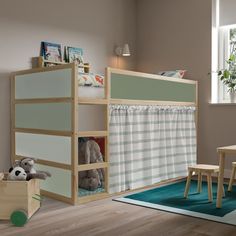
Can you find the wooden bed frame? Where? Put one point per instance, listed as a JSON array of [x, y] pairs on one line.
[[41, 97]]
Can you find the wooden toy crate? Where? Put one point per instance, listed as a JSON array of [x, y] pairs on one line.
[[18, 196]]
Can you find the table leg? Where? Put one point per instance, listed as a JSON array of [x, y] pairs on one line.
[[199, 182], [220, 180], [190, 172]]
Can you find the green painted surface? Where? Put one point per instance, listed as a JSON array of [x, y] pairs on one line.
[[19, 218], [47, 84], [51, 116], [172, 196], [138, 88], [59, 182]]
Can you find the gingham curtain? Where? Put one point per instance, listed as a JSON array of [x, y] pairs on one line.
[[149, 144]]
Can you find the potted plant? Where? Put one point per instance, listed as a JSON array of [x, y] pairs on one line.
[[228, 77]]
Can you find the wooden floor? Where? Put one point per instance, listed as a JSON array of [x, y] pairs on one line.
[[107, 217]]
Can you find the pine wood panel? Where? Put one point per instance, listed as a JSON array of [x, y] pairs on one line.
[[92, 101], [17, 195], [92, 133], [145, 102], [150, 76], [93, 166]]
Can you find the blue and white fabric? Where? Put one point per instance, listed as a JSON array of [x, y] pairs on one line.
[[149, 144]]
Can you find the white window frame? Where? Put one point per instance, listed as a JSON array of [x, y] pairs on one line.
[[223, 55], [220, 53]]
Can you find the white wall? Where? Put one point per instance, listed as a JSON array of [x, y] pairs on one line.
[[177, 35], [227, 12], [96, 26], [170, 34]]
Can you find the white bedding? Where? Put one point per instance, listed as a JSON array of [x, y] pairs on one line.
[[91, 92]]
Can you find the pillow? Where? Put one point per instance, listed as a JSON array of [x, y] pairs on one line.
[[90, 79], [173, 73], [98, 80], [84, 80]]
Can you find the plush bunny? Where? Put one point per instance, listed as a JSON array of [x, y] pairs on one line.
[[28, 165], [89, 152], [89, 180]]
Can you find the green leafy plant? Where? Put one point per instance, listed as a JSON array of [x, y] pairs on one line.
[[228, 75]]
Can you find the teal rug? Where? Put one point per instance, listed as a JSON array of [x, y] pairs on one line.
[[170, 198]]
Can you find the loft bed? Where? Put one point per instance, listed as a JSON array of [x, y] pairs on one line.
[[47, 120], [152, 128]]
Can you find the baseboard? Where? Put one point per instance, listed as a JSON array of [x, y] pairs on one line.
[[227, 173]]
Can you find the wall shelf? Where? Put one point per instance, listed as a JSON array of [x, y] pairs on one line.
[[42, 62]]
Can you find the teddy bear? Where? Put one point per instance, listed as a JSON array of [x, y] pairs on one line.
[[28, 165], [89, 152]]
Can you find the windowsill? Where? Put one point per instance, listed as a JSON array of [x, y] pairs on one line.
[[222, 103]]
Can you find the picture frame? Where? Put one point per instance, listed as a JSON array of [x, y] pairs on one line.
[[51, 51]]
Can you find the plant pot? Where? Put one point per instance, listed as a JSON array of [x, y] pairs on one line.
[[232, 96]]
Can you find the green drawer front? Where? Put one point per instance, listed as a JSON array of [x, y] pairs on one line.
[[47, 116], [49, 84], [139, 88]]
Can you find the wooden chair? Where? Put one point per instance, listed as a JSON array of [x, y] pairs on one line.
[[232, 176], [200, 169]]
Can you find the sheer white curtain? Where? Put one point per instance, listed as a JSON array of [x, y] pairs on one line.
[[149, 144]]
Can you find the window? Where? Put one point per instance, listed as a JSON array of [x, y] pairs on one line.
[[227, 47]]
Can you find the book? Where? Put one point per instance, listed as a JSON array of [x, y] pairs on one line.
[[75, 55], [51, 51]]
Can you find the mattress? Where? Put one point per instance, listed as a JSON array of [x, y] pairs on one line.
[[90, 79], [91, 92]]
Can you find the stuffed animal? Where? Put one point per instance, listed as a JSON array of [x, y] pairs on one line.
[[89, 180], [17, 173], [89, 152], [28, 165]]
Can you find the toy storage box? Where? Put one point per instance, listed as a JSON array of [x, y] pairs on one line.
[[18, 195]]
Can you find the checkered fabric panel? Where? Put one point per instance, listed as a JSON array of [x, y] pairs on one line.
[[149, 144]]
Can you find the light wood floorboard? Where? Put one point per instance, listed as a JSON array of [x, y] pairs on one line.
[[109, 218]]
